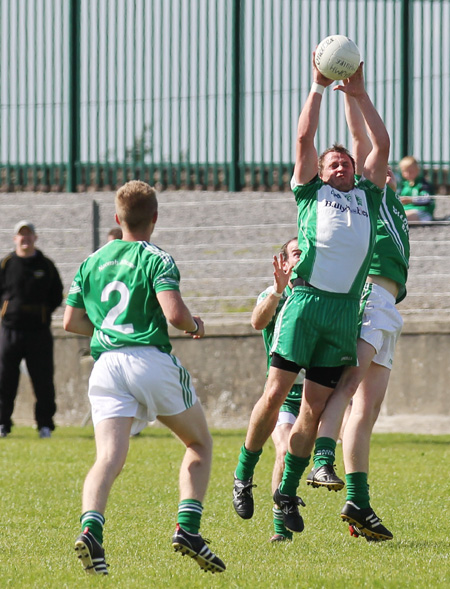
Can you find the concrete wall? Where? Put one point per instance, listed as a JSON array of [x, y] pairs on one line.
[[223, 244], [228, 369]]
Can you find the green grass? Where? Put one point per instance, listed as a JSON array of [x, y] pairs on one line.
[[41, 483]]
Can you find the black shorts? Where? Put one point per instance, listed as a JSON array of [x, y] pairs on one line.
[[323, 375]]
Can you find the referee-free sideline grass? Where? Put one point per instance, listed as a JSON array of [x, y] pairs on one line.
[[40, 494]]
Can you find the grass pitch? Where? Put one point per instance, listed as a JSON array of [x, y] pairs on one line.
[[41, 483]]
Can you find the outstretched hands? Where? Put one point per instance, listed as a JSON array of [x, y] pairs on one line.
[[353, 86], [280, 277], [318, 77]]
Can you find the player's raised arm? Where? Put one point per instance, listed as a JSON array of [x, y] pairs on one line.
[[361, 143], [375, 165], [306, 154]]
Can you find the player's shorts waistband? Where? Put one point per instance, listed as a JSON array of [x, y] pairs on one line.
[[300, 282], [337, 295]]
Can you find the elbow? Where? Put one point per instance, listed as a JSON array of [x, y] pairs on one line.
[[386, 145], [257, 324], [176, 319]]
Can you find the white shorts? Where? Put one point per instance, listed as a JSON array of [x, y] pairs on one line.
[[140, 382], [381, 323], [285, 417]]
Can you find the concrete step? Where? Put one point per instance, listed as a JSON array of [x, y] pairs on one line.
[[223, 243]]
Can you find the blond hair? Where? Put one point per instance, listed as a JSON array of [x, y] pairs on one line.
[[407, 161], [136, 205]]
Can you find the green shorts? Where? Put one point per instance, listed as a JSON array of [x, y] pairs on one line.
[[317, 328], [293, 400]]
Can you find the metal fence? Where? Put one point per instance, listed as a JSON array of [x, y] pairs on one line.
[[205, 94]]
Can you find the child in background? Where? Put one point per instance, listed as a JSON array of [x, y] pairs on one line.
[[415, 192]]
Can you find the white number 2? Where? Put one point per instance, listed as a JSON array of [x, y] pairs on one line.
[[109, 320]]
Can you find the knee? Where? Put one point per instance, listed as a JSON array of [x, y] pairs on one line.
[[348, 386], [203, 447], [279, 457], [273, 398], [315, 408]]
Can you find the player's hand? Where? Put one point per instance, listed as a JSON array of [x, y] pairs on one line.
[[280, 277], [318, 77], [201, 328], [353, 86]]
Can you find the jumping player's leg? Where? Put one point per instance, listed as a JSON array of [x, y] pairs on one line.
[[323, 473], [262, 423], [265, 413], [280, 437], [301, 442], [304, 430], [365, 410], [356, 447]]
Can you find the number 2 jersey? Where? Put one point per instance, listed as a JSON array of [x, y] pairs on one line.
[[117, 286]]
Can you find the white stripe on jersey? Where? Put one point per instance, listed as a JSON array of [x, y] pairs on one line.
[[74, 288], [154, 249], [105, 341], [389, 223]]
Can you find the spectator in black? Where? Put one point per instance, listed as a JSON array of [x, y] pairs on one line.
[[30, 290]]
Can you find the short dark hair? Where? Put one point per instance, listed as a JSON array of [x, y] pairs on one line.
[[283, 249], [115, 232], [339, 149]]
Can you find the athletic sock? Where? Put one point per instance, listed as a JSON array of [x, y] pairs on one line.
[[278, 524], [324, 452], [294, 467], [95, 521], [189, 515], [247, 462], [358, 489]]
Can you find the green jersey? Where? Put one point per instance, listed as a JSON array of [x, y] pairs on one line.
[[391, 253], [117, 286], [336, 234], [419, 191]]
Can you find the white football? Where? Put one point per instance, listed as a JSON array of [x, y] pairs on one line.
[[337, 57]]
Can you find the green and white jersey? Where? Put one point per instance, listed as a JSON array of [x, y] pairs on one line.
[[268, 331], [391, 254], [117, 285], [336, 234]]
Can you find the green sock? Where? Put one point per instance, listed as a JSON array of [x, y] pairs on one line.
[[358, 489], [247, 462], [294, 467], [95, 522], [324, 452], [189, 515], [278, 524]]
